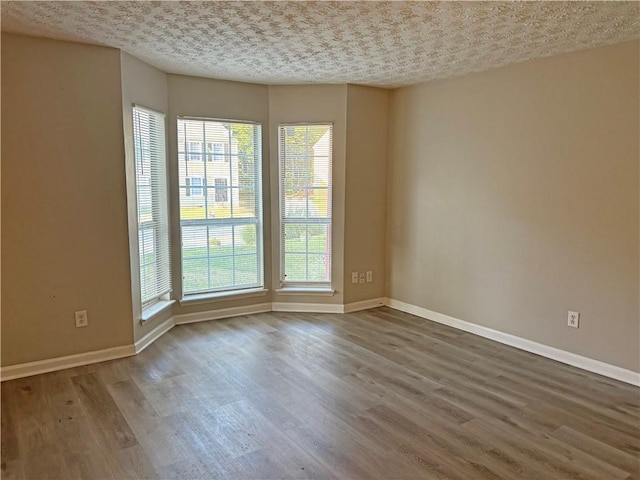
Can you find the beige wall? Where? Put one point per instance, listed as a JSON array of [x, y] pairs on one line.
[[201, 97], [514, 197], [64, 215], [312, 103], [365, 190], [146, 86]]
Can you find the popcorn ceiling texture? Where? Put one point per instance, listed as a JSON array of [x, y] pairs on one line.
[[387, 44]]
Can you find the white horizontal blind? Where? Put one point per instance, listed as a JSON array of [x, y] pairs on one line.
[[219, 177], [152, 202], [305, 157]]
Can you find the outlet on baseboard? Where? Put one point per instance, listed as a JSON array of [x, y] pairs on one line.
[[573, 319]]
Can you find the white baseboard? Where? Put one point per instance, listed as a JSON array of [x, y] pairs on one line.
[[364, 305], [222, 313], [154, 334], [585, 363], [306, 307], [61, 363]]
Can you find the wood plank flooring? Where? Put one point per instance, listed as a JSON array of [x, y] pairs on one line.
[[374, 394]]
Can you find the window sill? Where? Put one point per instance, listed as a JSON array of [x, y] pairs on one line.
[[155, 310], [221, 296], [309, 291]]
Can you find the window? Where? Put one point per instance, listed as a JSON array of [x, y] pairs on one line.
[[221, 190], [152, 205], [215, 152], [305, 204], [221, 229], [194, 151], [194, 186]]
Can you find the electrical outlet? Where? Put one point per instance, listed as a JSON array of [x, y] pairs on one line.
[[82, 320], [369, 276], [354, 277], [573, 319], [362, 277]]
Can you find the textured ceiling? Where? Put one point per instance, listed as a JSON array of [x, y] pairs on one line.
[[386, 44]]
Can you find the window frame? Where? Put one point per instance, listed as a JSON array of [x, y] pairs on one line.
[[190, 187], [298, 287], [214, 294], [213, 156], [219, 189], [194, 155], [151, 306]]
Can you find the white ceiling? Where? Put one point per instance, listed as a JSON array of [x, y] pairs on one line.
[[386, 44]]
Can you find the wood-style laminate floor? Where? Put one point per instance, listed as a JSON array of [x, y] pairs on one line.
[[374, 394]]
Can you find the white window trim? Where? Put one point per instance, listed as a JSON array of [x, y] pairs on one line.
[[155, 310], [306, 291], [301, 288], [248, 291], [163, 301], [223, 295]]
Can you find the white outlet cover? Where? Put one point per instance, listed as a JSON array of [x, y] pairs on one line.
[[354, 277], [82, 319], [369, 276], [573, 319]]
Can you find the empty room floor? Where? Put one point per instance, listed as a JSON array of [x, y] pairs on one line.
[[373, 394]]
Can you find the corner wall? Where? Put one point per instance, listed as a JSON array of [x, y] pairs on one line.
[[64, 213], [365, 190], [146, 86], [311, 103], [203, 97], [514, 197]]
